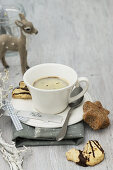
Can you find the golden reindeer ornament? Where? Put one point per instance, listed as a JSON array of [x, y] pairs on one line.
[[8, 42]]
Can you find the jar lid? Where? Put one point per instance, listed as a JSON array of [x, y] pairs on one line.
[[9, 12]]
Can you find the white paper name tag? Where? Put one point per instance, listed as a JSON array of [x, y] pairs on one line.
[[40, 116]]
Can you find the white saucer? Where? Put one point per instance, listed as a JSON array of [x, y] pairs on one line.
[[26, 105]]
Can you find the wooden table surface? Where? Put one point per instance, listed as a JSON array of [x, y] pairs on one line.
[[78, 33]]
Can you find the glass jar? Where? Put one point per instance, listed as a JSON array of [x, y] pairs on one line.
[[9, 13]]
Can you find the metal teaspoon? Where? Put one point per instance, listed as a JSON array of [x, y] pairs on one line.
[[73, 105]]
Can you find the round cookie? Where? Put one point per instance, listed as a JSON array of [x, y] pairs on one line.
[[19, 93], [93, 153], [73, 155]]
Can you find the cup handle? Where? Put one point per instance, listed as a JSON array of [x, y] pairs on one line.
[[80, 79]]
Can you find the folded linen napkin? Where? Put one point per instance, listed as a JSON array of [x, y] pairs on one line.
[[31, 136]]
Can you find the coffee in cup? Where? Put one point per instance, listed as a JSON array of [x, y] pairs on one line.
[[50, 83]]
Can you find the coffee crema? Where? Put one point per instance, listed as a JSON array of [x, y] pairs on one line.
[[50, 83]]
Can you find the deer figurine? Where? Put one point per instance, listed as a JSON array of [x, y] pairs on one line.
[[8, 42]]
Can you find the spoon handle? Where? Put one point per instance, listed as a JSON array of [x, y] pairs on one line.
[[63, 130]]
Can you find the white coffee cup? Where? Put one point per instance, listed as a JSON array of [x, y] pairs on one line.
[[53, 101]]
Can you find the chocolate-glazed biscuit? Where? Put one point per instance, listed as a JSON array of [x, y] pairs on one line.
[[91, 155], [93, 152], [73, 155], [21, 92]]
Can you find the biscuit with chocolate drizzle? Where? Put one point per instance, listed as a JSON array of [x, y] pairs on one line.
[[21, 92], [91, 155], [93, 152]]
